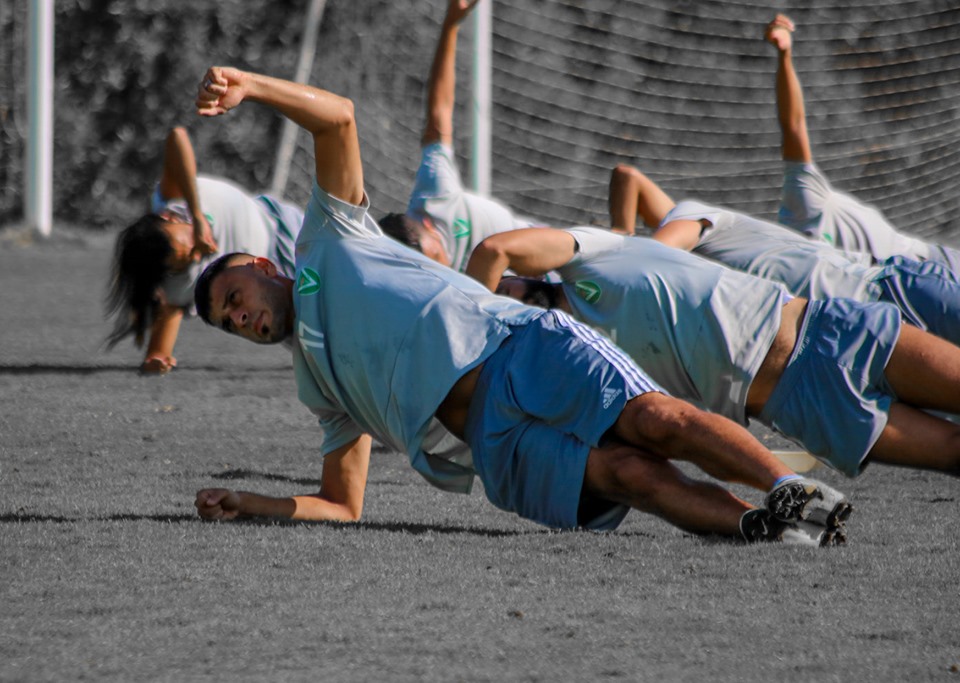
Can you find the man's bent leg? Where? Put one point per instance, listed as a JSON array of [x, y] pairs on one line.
[[629, 476], [671, 428]]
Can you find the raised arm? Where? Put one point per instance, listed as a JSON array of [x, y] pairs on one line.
[[179, 181], [795, 144], [682, 234], [441, 91], [340, 497], [530, 251], [633, 194], [329, 118]]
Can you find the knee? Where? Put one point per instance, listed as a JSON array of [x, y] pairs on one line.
[[654, 419]]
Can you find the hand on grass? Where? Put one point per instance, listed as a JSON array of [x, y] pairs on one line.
[[155, 365], [221, 89], [778, 33], [218, 504]]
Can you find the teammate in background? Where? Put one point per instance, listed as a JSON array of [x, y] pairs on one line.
[[561, 427], [927, 294], [841, 378], [443, 220], [809, 204], [158, 259]]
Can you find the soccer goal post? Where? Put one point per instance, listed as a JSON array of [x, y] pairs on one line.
[[38, 208]]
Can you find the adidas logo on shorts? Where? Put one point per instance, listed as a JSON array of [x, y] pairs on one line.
[[609, 396]]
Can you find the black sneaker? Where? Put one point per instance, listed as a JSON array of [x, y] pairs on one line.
[[757, 526], [807, 500]]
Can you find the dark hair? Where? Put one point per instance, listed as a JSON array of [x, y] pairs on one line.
[[139, 266], [402, 228], [201, 291]]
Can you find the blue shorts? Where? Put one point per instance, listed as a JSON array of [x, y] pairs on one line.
[[833, 398], [543, 399], [927, 294]]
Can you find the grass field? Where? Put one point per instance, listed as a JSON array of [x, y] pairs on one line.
[[106, 574]]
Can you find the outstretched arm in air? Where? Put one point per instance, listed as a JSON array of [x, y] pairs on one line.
[[443, 76], [795, 145]]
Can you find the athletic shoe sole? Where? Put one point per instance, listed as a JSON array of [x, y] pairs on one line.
[[806, 500]]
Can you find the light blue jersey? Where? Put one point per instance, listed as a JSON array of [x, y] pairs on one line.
[[260, 226], [812, 206], [382, 334], [463, 218], [813, 270], [700, 330]]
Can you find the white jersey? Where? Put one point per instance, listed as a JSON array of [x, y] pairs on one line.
[[382, 333], [700, 330], [260, 226], [810, 205], [463, 218], [813, 270]]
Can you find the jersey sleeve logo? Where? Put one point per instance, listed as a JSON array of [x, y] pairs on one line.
[[588, 291], [308, 282], [461, 228]]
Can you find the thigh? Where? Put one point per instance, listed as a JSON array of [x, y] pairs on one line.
[[912, 438], [537, 472], [567, 375]]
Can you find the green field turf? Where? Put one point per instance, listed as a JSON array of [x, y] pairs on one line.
[[106, 574]]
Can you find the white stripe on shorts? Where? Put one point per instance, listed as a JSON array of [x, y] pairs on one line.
[[636, 379]]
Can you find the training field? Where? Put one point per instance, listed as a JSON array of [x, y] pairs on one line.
[[106, 574]]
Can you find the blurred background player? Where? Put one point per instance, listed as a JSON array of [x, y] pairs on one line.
[[809, 204], [158, 259], [443, 220]]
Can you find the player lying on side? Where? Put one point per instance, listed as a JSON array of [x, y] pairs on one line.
[[927, 294], [158, 259], [560, 426], [843, 379], [809, 204]]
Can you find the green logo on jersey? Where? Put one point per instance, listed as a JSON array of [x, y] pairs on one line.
[[461, 228], [308, 281], [827, 238], [588, 291]]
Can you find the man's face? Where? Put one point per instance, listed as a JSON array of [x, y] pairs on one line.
[[529, 291], [250, 301]]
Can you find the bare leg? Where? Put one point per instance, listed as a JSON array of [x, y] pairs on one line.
[[912, 438], [924, 371], [670, 428], [632, 194], [791, 114], [629, 476]]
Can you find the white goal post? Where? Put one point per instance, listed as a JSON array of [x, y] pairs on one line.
[[38, 208]]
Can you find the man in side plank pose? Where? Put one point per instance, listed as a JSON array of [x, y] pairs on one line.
[[560, 425]]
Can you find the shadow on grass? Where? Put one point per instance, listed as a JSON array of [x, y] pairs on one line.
[[412, 528], [55, 369]]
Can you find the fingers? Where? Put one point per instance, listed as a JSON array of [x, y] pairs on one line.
[[210, 504], [156, 366], [213, 86]]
